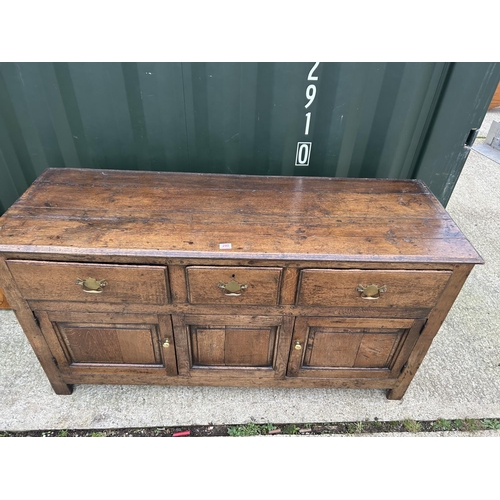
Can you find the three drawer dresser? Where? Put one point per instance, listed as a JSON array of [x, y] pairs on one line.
[[122, 277]]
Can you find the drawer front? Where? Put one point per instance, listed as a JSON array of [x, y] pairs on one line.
[[344, 288], [233, 285], [57, 281]]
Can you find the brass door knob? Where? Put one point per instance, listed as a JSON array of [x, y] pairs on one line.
[[166, 344], [91, 285], [297, 345]]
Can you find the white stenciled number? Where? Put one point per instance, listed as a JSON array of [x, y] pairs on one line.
[[304, 148], [310, 94], [303, 153], [310, 76], [308, 122]]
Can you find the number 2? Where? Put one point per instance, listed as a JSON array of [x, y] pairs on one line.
[[311, 77]]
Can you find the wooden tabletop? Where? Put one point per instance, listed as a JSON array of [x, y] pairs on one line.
[[163, 214]]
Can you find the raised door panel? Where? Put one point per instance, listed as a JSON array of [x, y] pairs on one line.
[[84, 343], [336, 347], [232, 346], [115, 344]]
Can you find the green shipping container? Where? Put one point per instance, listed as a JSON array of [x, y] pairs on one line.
[[396, 120]]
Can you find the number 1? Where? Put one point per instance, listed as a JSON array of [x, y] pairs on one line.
[[308, 122]]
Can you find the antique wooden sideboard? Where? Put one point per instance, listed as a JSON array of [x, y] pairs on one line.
[[121, 277]]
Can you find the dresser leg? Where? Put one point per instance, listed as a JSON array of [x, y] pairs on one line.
[[62, 389], [402, 385], [430, 330], [396, 394]]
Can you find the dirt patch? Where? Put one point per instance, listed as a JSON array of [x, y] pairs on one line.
[[252, 429]]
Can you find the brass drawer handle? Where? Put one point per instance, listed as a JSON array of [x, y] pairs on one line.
[[297, 345], [91, 285], [371, 292], [166, 344], [233, 288]]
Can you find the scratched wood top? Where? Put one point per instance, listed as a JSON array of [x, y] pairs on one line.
[[110, 212]]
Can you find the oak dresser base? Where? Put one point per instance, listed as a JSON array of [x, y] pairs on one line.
[[225, 280]]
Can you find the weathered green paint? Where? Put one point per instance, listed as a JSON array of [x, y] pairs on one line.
[[396, 120], [462, 104]]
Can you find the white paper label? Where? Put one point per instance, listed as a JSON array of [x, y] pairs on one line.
[[225, 246]]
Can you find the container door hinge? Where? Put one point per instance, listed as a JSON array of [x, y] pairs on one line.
[[469, 142], [54, 360]]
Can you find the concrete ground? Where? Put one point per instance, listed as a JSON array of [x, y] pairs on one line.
[[480, 143], [459, 378]]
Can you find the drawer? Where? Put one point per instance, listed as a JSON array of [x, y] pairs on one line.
[[341, 288], [57, 281], [233, 285]]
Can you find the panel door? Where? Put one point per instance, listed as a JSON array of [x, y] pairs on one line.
[[351, 347], [232, 347], [110, 343]]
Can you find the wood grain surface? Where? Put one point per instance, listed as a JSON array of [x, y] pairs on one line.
[[262, 285], [3, 301], [191, 215], [404, 289], [57, 281]]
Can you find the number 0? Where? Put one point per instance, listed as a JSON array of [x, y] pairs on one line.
[[303, 154]]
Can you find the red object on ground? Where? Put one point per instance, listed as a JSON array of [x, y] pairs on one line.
[[182, 433]]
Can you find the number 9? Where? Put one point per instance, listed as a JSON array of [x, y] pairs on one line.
[[310, 94]]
